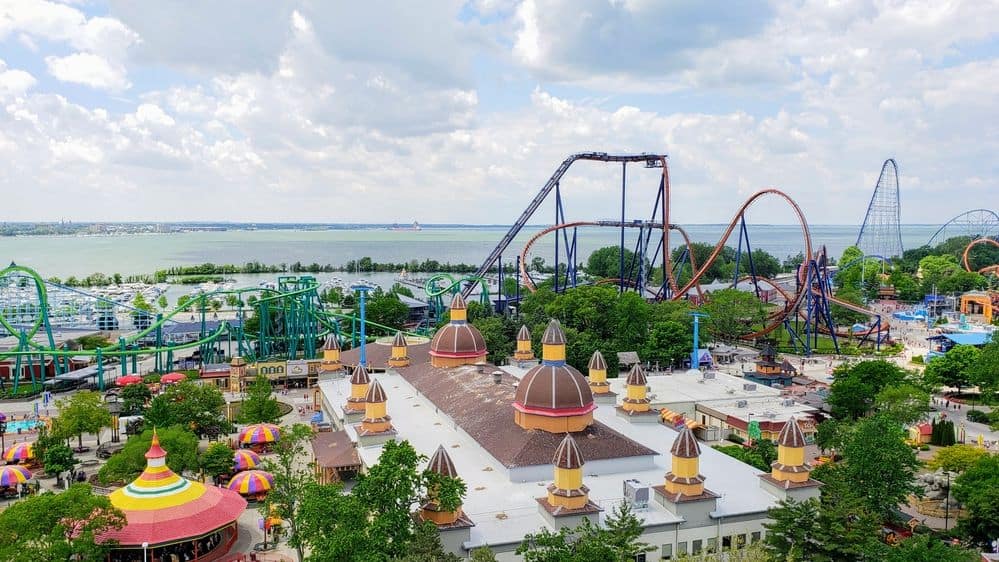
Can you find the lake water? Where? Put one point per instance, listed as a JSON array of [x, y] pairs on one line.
[[63, 256]]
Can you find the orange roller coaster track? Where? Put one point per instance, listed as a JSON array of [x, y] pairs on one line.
[[978, 242]]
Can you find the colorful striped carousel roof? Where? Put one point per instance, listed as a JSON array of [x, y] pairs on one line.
[[162, 507]]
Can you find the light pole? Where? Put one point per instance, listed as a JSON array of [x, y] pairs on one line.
[[3, 431], [145, 552]]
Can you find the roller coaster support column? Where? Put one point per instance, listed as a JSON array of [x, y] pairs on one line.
[[744, 235], [100, 370], [695, 357], [123, 359], [363, 290], [620, 270], [159, 344]]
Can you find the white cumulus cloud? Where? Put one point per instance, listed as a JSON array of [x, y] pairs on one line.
[[90, 70]]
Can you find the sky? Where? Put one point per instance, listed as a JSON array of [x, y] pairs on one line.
[[459, 111]]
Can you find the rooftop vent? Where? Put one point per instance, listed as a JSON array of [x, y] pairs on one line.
[[741, 404], [787, 402], [749, 386], [709, 375]]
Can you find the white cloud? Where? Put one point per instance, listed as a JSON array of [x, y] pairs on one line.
[[14, 82], [90, 70]]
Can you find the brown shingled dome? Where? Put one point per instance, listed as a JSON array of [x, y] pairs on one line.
[[553, 334], [524, 334], [636, 377], [554, 387], [791, 435], [686, 446], [441, 463], [375, 393], [331, 343], [567, 454], [458, 340], [400, 340], [360, 375], [597, 362]]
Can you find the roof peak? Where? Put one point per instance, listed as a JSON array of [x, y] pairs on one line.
[[686, 446], [441, 463], [791, 434], [400, 339], [567, 455], [155, 451], [331, 343], [375, 393], [524, 334], [636, 376], [360, 375], [554, 335], [597, 362], [458, 302]]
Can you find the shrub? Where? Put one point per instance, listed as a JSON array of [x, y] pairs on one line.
[[978, 416], [924, 447], [735, 438]]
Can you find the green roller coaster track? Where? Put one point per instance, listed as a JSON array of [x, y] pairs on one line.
[[292, 322], [435, 292]]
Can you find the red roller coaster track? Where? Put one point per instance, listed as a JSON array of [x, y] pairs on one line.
[[978, 242]]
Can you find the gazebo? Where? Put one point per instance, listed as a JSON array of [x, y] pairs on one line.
[[168, 514]]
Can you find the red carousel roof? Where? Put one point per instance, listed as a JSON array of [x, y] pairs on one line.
[[162, 507]]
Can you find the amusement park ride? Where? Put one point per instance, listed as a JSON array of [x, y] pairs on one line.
[[292, 318]]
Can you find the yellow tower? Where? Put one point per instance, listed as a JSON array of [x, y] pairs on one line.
[[790, 465], [568, 490], [399, 358], [636, 401], [440, 463], [331, 355], [524, 351], [359, 382], [237, 373], [376, 418], [598, 374], [684, 478]]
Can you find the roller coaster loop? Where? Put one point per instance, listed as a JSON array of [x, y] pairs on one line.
[[967, 250], [435, 291]]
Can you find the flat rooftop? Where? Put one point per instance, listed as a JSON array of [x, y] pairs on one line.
[[504, 511], [766, 409], [683, 387]]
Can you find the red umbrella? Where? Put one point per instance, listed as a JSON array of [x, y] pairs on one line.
[[171, 378], [127, 380]]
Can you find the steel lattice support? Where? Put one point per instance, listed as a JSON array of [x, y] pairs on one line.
[[881, 234]]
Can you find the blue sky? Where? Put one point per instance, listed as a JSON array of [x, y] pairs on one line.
[[458, 111]]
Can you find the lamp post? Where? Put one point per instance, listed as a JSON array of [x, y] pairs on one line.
[[145, 552], [3, 431]]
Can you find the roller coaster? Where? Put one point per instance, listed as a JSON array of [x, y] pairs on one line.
[[291, 321], [993, 269], [805, 313]]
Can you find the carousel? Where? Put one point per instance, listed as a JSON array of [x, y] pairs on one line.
[[172, 518]]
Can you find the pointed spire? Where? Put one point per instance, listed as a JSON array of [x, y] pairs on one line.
[[155, 451], [553, 334], [331, 343], [686, 446], [597, 362], [400, 340], [524, 334], [360, 375], [441, 463], [567, 454], [636, 377], [375, 393], [791, 435], [458, 302]]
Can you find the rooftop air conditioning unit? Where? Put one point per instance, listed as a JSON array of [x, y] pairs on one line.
[[709, 375], [636, 493], [788, 402], [730, 391], [741, 404], [749, 386]]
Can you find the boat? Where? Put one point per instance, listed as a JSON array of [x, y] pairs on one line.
[[415, 227]]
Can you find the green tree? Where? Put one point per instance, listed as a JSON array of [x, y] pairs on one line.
[[162, 302], [954, 368], [855, 387], [217, 460], [180, 444], [184, 302], [194, 406], [587, 542], [669, 343], [956, 458], [426, 546], [499, 333], [880, 463], [978, 489], [832, 434], [483, 554], [927, 548], [134, 398], [58, 458], [386, 310], [984, 372], [606, 263], [83, 412], [260, 406], [291, 481], [905, 403], [843, 316], [54, 527], [733, 313]]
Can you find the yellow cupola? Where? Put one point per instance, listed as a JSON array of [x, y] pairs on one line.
[[568, 490], [399, 357], [597, 369], [524, 351], [331, 355], [359, 381], [376, 418], [684, 478], [636, 400], [790, 465]]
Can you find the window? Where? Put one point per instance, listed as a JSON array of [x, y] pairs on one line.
[[681, 548], [740, 540], [695, 546], [727, 542], [712, 544], [640, 557], [667, 552], [755, 537]]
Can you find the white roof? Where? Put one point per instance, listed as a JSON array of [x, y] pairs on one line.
[[492, 495], [771, 409], [683, 387]]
